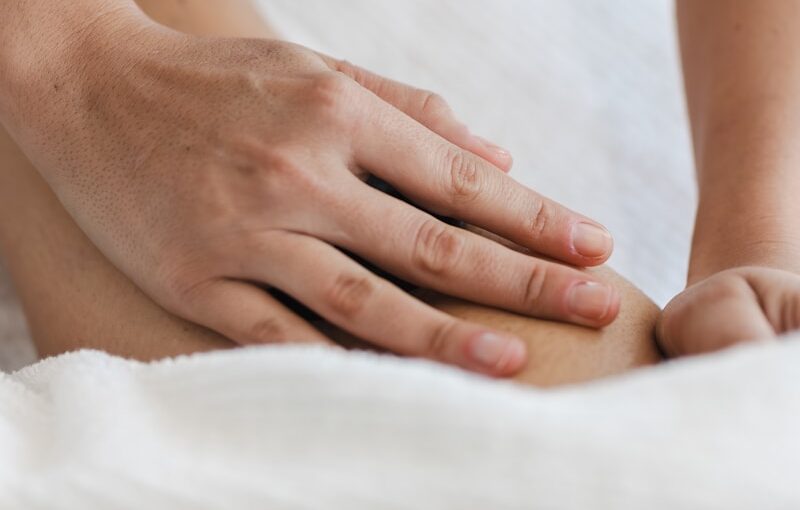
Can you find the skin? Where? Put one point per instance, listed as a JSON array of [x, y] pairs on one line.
[[566, 354], [75, 298], [742, 78], [205, 168]]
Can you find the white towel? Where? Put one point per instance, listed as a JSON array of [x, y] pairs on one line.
[[305, 428]]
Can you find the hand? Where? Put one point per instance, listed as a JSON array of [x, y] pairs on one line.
[[731, 307], [206, 169]]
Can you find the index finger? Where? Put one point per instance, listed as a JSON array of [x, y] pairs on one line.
[[451, 181]]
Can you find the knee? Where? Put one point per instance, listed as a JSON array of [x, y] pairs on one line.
[[563, 353]]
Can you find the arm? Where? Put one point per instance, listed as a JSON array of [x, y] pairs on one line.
[[742, 76], [38, 43]]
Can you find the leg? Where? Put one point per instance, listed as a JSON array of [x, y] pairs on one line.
[[563, 353], [74, 298]]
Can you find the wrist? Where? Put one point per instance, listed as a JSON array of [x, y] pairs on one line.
[[747, 213], [730, 234], [42, 45]]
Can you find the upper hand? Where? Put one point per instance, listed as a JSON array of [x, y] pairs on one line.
[[207, 168], [731, 307]]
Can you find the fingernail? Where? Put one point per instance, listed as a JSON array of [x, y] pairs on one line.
[[498, 352], [590, 300], [498, 151], [591, 241]]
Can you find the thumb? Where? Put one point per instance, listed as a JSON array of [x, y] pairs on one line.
[[712, 315], [427, 108]]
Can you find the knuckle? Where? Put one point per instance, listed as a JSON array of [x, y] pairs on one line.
[[723, 288], [437, 345], [280, 162], [534, 287], [353, 71], [178, 276], [284, 172], [432, 105], [267, 330], [330, 94], [436, 247], [349, 294], [183, 291], [331, 86], [465, 182], [541, 212], [180, 285], [257, 162]]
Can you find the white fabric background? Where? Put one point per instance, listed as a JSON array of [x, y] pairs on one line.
[[586, 94]]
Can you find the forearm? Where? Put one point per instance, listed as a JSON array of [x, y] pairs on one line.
[[742, 81]]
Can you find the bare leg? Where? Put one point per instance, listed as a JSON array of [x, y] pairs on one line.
[[564, 353], [74, 298]]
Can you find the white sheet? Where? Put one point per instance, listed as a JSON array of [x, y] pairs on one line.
[[303, 428]]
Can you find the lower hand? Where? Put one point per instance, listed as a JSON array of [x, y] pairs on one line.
[[731, 307]]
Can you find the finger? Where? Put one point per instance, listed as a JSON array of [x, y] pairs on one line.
[[778, 296], [686, 328], [419, 248], [427, 108], [352, 298], [455, 182], [247, 315]]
